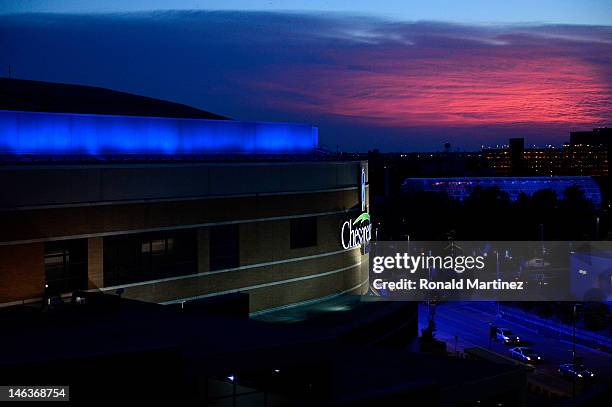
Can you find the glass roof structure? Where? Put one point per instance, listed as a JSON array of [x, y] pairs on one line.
[[460, 188]]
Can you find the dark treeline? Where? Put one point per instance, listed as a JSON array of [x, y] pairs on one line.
[[489, 214]]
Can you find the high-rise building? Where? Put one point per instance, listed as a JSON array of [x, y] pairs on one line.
[[586, 154], [601, 136], [517, 156]]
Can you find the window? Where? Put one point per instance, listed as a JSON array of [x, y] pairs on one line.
[[65, 266], [303, 232], [157, 246], [149, 256], [224, 247]]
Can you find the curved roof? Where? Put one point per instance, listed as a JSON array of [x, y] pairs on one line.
[[37, 96]]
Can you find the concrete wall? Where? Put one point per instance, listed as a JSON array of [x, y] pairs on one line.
[[47, 185]]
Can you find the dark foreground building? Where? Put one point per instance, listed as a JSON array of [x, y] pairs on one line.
[[108, 349]]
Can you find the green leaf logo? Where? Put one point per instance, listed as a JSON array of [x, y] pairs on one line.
[[361, 218]]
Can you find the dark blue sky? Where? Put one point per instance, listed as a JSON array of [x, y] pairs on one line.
[[592, 12], [366, 79]]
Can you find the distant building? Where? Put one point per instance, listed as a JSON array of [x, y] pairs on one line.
[[596, 137], [517, 156], [574, 158], [599, 139]]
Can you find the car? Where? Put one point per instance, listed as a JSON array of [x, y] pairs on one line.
[[578, 372], [525, 355], [536, 263], [506, 336]]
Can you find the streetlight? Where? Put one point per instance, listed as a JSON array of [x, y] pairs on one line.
[[497, 277], [574, 347]]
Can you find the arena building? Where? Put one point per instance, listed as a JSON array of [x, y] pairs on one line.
[[181, 206]]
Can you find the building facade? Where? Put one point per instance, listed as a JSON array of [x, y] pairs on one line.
[[570, 159], [169, 230]]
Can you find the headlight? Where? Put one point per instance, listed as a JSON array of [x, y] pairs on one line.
[[539, 358], [528, 358], [579, 374], [592, 374]]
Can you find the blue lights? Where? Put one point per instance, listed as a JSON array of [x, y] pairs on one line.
[[460, 188], [40, 133]]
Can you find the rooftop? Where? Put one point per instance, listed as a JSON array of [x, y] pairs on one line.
[[41, 121], [37, 96]]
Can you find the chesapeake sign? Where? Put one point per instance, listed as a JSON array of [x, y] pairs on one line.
[[356, 232]]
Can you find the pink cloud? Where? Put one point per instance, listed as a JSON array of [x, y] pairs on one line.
[[508, 79]]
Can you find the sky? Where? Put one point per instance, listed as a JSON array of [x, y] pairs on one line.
[[401, 76]]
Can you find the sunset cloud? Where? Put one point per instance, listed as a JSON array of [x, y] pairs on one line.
[[415, 82], [446, 75]]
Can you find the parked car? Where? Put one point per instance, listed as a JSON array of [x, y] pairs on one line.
[[578, 372], [536, 263], [506, 336], [525, 355]]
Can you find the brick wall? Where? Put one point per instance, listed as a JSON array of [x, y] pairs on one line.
[[22, 273]]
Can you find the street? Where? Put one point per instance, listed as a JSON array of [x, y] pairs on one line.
[[463, 325]]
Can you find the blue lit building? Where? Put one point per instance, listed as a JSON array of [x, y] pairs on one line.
[[107, 191], [460, 188], [35, 133]]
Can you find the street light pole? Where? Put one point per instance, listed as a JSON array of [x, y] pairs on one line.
[[574, 334], [428, 297], [574, 351], [497, 276]]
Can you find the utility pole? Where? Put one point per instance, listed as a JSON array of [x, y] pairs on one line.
[[574, 358], [497, 277], [429, 310], [574, 351]]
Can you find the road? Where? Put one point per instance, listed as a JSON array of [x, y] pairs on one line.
[[463, 324]]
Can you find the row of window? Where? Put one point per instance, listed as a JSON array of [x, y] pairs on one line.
[[134, 258]]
